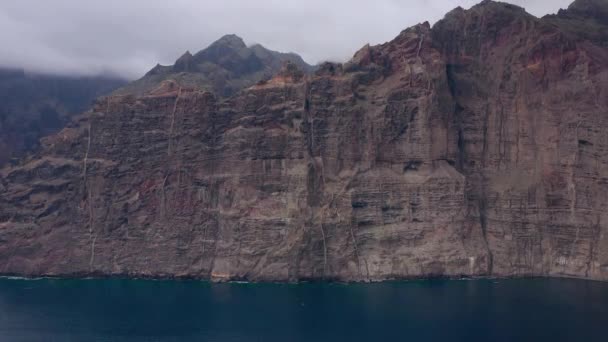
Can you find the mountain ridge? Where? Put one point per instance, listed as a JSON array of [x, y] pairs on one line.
[[225, 67]]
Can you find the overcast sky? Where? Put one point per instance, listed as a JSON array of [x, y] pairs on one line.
[[128, 37]]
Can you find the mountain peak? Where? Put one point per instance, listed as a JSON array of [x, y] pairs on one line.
[[490, 14], [184, 63], [224, 67], [231, 40], [499, 7]]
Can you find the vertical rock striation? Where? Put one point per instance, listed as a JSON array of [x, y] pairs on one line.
[[473, 148]]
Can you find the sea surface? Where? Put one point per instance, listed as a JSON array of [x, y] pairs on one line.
[[437, 310]]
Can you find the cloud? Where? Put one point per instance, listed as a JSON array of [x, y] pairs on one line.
[[129, 37]]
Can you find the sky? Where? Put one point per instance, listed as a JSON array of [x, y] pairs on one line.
[[129, 37]]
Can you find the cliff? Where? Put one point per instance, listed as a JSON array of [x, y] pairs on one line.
[[476, 147]]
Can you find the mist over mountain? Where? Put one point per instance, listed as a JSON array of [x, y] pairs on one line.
[[35, 105], [127, 38]]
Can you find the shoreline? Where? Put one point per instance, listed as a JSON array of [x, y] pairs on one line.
[[298, 282]]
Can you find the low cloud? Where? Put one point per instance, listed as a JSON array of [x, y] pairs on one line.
[[127, 38]]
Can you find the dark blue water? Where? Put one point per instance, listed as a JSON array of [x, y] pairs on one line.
[[141, 310]]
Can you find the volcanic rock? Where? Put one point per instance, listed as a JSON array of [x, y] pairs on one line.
[[476, 147]]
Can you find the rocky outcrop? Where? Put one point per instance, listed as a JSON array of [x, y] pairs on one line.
[[223, 68], [473, 148]]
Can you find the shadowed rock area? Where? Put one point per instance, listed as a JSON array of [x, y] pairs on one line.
[[476, 147], [34, 105]]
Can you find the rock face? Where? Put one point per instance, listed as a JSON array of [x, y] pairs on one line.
[[473, 148], [32, 106], [224, 68]]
